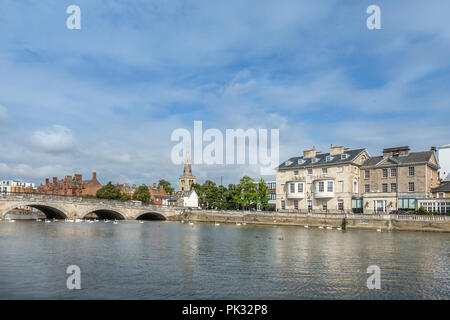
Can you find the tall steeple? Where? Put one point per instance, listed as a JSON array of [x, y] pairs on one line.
[[187, 179], [187, 172]]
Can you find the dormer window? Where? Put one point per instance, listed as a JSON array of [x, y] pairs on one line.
[[344, 156], [301, 161], [328, 158], [314, 160], [288, 163]]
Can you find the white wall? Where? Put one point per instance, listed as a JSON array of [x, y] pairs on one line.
[[192, 200], [444, 161]]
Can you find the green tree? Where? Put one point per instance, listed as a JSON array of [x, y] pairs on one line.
[[108, 191], [211, 194], [166, 186], [263, 197], [246, 193], [231, 194], [142, 194]]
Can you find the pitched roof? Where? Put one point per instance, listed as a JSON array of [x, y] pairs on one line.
[[411, 158], [444, 187], [320, 159], [184, 193]]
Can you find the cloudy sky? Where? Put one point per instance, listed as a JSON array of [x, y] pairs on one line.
[[107, 97]]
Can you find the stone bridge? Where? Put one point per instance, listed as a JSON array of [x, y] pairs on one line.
[[62, 207]]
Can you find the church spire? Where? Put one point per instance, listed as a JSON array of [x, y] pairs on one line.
[[187, 172], [187, 179]]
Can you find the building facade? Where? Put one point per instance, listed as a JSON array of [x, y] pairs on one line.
[[398, 179], [70, 186], [441, 191], [16, 186], [187, 180], [320, 182], [272, 191], [187, 199], [444, 162]]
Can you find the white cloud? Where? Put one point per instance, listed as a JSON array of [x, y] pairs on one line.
[[57, 139], [25, 171]]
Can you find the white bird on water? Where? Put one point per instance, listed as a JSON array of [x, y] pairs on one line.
[[306, 226], [320, 227], [329, 228], [379, 230], [115, 222], [238, 224], [217, 224], [339, 228], [191, 223], [12, 220], [141, 221]]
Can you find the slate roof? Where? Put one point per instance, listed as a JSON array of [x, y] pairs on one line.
[[444, 187], [412, 157], [184, 193], [321, 160], [448, 178]]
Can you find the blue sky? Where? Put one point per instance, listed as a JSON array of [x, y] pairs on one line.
[[107, 97]]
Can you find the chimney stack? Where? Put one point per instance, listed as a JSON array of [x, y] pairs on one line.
[[94, 175]]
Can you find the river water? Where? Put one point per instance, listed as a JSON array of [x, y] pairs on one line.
[[171, 260]]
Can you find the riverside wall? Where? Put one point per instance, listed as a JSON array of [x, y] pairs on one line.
[[345, 221]]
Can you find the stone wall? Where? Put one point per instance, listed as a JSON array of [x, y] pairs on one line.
[[372, 222]]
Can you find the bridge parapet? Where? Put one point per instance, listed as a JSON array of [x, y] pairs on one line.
[[81, 200], [69, 206]]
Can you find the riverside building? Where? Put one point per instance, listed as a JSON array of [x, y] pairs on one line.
[[398, 179], [321, 182]]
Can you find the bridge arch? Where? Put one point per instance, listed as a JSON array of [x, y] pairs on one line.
[[50, 211], [103, 213], [150, 216]]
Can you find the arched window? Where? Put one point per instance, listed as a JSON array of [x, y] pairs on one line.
[[355, 186]]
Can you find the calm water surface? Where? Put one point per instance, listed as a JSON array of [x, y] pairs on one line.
[[170, 260]]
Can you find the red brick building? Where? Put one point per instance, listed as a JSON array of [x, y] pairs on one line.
[[69, 186], [156, 194]]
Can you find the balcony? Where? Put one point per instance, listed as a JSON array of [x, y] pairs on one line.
[[323, 194], [295, 195]]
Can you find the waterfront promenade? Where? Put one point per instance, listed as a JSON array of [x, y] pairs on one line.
[[384, 222]]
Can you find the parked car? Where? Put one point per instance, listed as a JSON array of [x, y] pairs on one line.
[[398, 212]]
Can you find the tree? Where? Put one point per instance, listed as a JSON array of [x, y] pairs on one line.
[[263, 198], [142, 194], [108, 191], [246, 192], [166, 186]]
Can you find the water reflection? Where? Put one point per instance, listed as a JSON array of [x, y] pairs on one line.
[[166, 260]]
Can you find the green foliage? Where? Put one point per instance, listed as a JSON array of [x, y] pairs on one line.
[[142, 194], [108, 191], [166, 186], [246, 193], [263, 197], [421, 211], [124, 197]]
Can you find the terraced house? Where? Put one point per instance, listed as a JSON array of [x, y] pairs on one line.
[[398, 179], [321, 182]]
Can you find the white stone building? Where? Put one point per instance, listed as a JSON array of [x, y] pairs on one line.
[[187, 199], [444, 162], [13, 186]]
